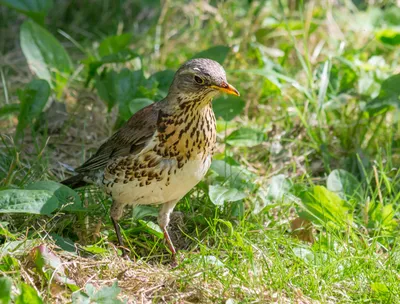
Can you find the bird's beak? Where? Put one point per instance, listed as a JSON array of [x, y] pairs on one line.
[[226, 88]]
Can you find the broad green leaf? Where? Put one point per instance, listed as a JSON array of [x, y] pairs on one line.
[[46, 57], [5, 290], [381, 218], [151, 228], [342, 77], [304, 253], [90, 290], [28, 201], [389, 36], [245, 137], [237, 176], [324, 207], [79, 297], [217, 53], [8, 263], [344, 184], [34, 97], [141, 211], [68, 199], [119, 57], [273, 193], [164, 80], [36, 9], [94, 249], [220, 194], [64, 243], [28, 295], [9, 109], [114, 44], [278, 187], [228, 107], [120, 88], [33, 100], [139, 103], [106, 295], [389, 96], [310, 257]]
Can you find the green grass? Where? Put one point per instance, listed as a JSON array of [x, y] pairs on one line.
[[320, 94]]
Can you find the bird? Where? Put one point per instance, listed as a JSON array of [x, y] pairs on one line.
[[163, 150]]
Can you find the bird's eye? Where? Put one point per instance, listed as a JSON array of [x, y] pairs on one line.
[[198, 79]]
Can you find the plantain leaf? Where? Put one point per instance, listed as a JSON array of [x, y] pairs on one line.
[[228, 107], [33, 99], [389, 96], [118, 57], [245, 137], [344, 184], [105, 295], [220, 194], [381, 218], [46, 57], [237, 176], [114, 44], [27, 201], [324, 207], [68, 199], [120, 88], [151, 228]]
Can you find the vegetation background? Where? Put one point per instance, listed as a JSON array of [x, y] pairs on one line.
[[302, 203]]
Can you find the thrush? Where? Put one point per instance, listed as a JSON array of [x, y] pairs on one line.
[[163, 150]]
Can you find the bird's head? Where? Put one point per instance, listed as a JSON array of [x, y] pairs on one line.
[[200, 79]]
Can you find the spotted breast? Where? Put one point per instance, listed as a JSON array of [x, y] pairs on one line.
[[172, 162]]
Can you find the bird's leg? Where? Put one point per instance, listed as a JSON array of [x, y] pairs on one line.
[[169, 242], [119, 237], [163, 220], [116, 213]]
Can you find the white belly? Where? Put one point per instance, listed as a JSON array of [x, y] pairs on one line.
[[158, 192]]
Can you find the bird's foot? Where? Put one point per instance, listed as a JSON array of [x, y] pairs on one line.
[[125, 254], [176, 259], [173, 263]]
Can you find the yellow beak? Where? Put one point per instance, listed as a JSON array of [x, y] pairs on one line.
[[226, 88]]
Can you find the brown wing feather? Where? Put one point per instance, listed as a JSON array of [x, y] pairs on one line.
[[130, 139]]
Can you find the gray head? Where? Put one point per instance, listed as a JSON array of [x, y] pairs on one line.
[[201, 79]]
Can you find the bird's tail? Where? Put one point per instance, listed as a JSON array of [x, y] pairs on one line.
[[75, 181]]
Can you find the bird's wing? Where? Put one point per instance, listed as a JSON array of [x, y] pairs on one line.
[[130, 139]]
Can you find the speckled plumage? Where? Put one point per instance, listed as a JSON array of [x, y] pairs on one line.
[[165, 149]]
